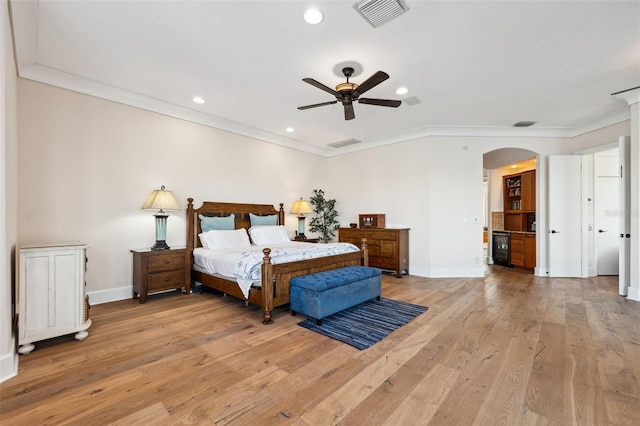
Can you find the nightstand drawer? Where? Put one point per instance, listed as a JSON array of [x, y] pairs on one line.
[[166, 280], [165, 262]]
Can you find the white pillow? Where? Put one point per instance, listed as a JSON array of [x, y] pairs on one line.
[[225, 239], [264, 235]]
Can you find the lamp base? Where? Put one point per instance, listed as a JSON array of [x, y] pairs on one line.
[[160, 245], [299, 237]]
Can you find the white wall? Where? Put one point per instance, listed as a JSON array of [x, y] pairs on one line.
[[434, 186], [86, 165], [8, 189]]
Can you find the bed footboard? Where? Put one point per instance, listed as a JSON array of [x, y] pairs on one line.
[[275, 278]]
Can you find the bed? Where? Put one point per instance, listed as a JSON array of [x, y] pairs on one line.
[[274, 286]]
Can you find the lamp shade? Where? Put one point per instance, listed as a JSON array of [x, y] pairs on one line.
[[301, 207], [161, 199]]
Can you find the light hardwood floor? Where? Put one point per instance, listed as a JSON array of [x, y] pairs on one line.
[[509, 349]]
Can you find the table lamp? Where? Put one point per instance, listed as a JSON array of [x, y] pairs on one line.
[[301, 207], [161, 199]]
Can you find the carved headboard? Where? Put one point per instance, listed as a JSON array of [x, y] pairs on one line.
[[241, 212]]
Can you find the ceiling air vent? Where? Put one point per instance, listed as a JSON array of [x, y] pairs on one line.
[[378, 12], [524, 123], [347, 142]]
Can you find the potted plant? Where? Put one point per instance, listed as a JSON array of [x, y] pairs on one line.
[[325, 220]]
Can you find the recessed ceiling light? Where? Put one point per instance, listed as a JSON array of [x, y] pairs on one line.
[[198, 100], [313, 16], [290, 129], [402, 91]]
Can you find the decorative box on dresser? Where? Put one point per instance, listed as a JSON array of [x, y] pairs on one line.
[[52, 298], [388, 247], [160, 270]]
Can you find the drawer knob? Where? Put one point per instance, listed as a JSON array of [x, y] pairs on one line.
[[166, 279], [167, 262]]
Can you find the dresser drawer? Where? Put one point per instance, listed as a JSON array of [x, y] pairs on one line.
[[383, 234], [382, 262], [166, 280], [353, 233], [165, 262]]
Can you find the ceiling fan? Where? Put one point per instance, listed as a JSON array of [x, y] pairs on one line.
[[347, 93]]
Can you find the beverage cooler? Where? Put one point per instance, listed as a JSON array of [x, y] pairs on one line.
[[501, 244]]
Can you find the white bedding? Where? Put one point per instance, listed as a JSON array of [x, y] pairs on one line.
[[244, 265]]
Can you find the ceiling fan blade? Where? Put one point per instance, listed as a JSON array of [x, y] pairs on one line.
[[380, 102], [320, 86], [371, 82], [349, 114], [317, 105]]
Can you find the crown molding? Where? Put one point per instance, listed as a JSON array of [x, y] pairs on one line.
[[630, 96], [78, 84]]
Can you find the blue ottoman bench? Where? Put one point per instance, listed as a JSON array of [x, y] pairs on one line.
[[324, 293]]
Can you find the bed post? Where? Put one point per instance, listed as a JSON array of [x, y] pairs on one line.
[[365, 253], [190, 224], [267, 286], [281, 214]]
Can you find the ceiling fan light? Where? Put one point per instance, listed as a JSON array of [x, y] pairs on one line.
[[342, 87], [313, 16], [402, 91]]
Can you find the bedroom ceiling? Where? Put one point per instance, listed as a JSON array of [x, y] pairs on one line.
[[474, 68]]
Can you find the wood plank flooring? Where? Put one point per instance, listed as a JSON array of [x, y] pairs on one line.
[[506, 349]]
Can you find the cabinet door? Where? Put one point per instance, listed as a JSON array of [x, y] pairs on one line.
[[530, 251], [528, 198], [50, 292], [517, 250]]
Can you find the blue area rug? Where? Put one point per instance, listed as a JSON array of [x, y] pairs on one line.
[[367, 323]]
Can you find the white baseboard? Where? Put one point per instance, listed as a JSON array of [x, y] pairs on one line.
[[633, 293], [111, 295], [8, 366]]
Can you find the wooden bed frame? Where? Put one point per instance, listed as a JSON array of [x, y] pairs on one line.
[[275, 278]]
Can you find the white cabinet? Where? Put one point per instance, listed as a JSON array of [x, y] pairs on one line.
[[52, 300]]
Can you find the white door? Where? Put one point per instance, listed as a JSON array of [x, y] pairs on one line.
[[565, 249], [606, 220], [624, 215]]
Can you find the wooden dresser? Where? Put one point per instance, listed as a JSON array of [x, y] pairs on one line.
[[388, 247]]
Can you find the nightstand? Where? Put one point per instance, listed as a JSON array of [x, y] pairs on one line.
[[308, 240], [159, 270]]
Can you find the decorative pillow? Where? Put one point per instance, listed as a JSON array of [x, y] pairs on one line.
[[264, 235], [225, 239], [208, 223], [269, 220]]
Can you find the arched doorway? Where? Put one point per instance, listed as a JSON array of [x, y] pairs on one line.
[[496, 164]]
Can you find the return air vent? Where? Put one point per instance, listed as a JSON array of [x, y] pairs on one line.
[[343, 143], [524, 123], [378, 12]]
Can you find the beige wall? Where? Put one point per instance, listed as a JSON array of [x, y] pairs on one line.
[[8, 188], [86, 165]]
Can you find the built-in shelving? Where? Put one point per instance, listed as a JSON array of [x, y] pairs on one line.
[[519, 192]]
